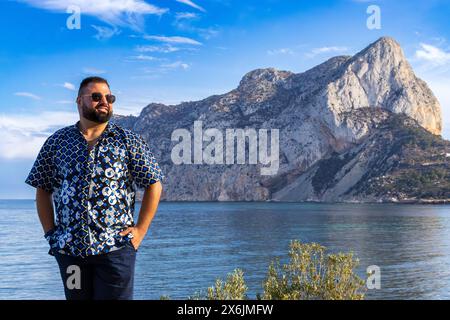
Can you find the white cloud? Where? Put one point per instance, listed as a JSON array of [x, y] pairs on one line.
[[206, 33], [191, 4], [161, 49], [114, 12], [24, 135], [28, 95], [154, 72], [329, 49], [433, 55], [185, 15], [332, 49], [280, 51], [69, 86], [90, 70], [176, 65], [174, 39], [142, 57], [184, 20], [104, 33]]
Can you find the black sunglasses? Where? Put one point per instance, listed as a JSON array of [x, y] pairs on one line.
[[97, 97]]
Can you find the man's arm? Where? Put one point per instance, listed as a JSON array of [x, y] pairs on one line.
[[149, 206], [45, 211]]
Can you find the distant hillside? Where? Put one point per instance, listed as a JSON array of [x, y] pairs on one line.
[[354, 128], [399, 161]]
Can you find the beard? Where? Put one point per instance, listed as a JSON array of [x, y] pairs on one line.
[[93, 114]]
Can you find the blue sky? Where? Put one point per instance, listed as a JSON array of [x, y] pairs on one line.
[[179, 50]]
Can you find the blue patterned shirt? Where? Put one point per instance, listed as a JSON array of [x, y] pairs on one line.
[[93, 188]]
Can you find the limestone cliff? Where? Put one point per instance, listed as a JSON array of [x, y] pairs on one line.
[[323, 112]]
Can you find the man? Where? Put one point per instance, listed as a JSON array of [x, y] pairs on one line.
[[92, 170]]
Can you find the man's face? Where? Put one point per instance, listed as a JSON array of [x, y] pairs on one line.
[[99, 112]]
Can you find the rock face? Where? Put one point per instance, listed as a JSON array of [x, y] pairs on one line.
[[323, 112], [380, 76], [398, 161]]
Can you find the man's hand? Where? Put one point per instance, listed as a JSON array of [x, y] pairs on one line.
[[148, 209], [138, 235]]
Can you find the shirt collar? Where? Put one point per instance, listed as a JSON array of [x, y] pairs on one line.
[[110, 129]]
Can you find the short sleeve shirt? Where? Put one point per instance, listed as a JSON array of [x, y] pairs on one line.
[[93, 188]]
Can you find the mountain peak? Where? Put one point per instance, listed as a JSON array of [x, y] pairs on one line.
[[380, 76], [385, 48], [386, 41], [267, 76], [260, 84]]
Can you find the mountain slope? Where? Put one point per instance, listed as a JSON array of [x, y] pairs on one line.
[[327, 110], [398, 161]]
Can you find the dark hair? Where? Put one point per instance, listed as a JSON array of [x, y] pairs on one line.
[[88, 80]]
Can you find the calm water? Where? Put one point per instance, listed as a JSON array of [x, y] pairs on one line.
[[189, 245]]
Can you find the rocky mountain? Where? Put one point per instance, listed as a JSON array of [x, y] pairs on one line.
[[337, 141], [398, 161]]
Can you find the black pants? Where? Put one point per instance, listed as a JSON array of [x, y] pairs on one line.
[[107, 276]]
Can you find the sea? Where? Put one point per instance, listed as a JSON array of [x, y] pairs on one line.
[[191, 244]]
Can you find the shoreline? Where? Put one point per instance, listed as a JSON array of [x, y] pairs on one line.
[[402, 201]]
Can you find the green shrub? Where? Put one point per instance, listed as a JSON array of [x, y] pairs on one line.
[[234, 288], [312, 274]]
